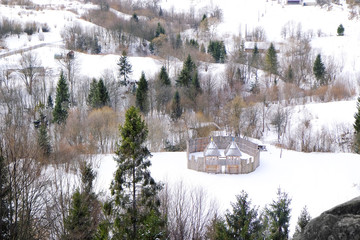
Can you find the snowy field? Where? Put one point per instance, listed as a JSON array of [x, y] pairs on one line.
[[317, 180]]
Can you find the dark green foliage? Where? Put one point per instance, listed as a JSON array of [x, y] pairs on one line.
[[164, 77], [193, 43], [319, 70], [243, 221], [178, 41], [186, 74], [60, 111], [135, 17], [142, 101], [217, 50], [271, 62], [279, 216], [50, 103], [134, 190], [4, 200], [98, 95], [83, 218], [159, 30], [255, 59], [44, 139], [357, 127], [303, 220], [217, 230], [289, 74], [79, 219], [340, 30], [176, 109], [195, 86], [125, 69]]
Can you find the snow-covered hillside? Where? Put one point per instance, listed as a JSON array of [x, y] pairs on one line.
[[317, 180]]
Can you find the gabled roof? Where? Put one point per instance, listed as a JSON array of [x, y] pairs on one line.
[[211, 150], [233, 150]]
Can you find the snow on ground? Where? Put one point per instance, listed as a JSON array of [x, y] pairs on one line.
[[318, 180]]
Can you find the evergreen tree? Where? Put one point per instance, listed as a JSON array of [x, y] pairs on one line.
[[60, 111], [340, 30], [134, 190], [289, 74], [93, 92], [83, 218], [271, 62], [186, 74], [103, 93], [279, 216], [243, 221], [255, 59], [303, 220], [44, 139], [217, 50], [357, 127], [176, 109], [5, 221], [159, 30], [164, 77], [50, 103], [178, 41], [125, 69], [142, 94], [195, 84], [319, 70]]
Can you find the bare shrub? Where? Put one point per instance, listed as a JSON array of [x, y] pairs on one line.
[[340, 91], [189, 211]]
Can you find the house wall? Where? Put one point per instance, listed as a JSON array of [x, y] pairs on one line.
[[202, 165]]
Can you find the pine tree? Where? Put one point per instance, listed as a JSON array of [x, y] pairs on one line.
[[50, 103], [340, 30], [178, 41], [271, 62], [164, 77], [142, 94], [125, 69], [195, 84], [279, 216], [303, 220], [4, 202], [92, 97], [319, 70], [44, 139], [357, 127], [255, 59], [176, 109], [217, 50], [83, 218], [186, 73], [243, 221], [134, 190], [60, 111], [289, 74], [103, 93], [159, 30]]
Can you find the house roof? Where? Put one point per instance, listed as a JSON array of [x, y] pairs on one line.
[[211, 150], [233, 150]]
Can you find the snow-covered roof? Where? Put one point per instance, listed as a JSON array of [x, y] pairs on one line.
[[211, 150], [233, 150]]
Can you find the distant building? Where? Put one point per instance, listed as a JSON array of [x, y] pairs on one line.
[[293, 1], [222, 154]]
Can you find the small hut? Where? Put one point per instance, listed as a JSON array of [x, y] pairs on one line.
[[212, 154], [233, 158]]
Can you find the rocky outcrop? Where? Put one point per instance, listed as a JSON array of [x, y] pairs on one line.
[[341, 222]]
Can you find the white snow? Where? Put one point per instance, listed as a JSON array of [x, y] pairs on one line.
[[318, 180]]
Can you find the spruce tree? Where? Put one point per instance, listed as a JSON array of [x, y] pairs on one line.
[[357, 127], [186, 73], [243, 221], [176, 109], [93, 92], [5, 221], [164, 77], [44, 139], [125, 69], [217, 50], [195, 85], [134, 190], [271, 62], [159, 30], [279, 216], [83, 218], [255, 58], [60, 111], [142, 94], [340, 30], [319, 70], [303, 220], [50, 103], [103, 94]]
